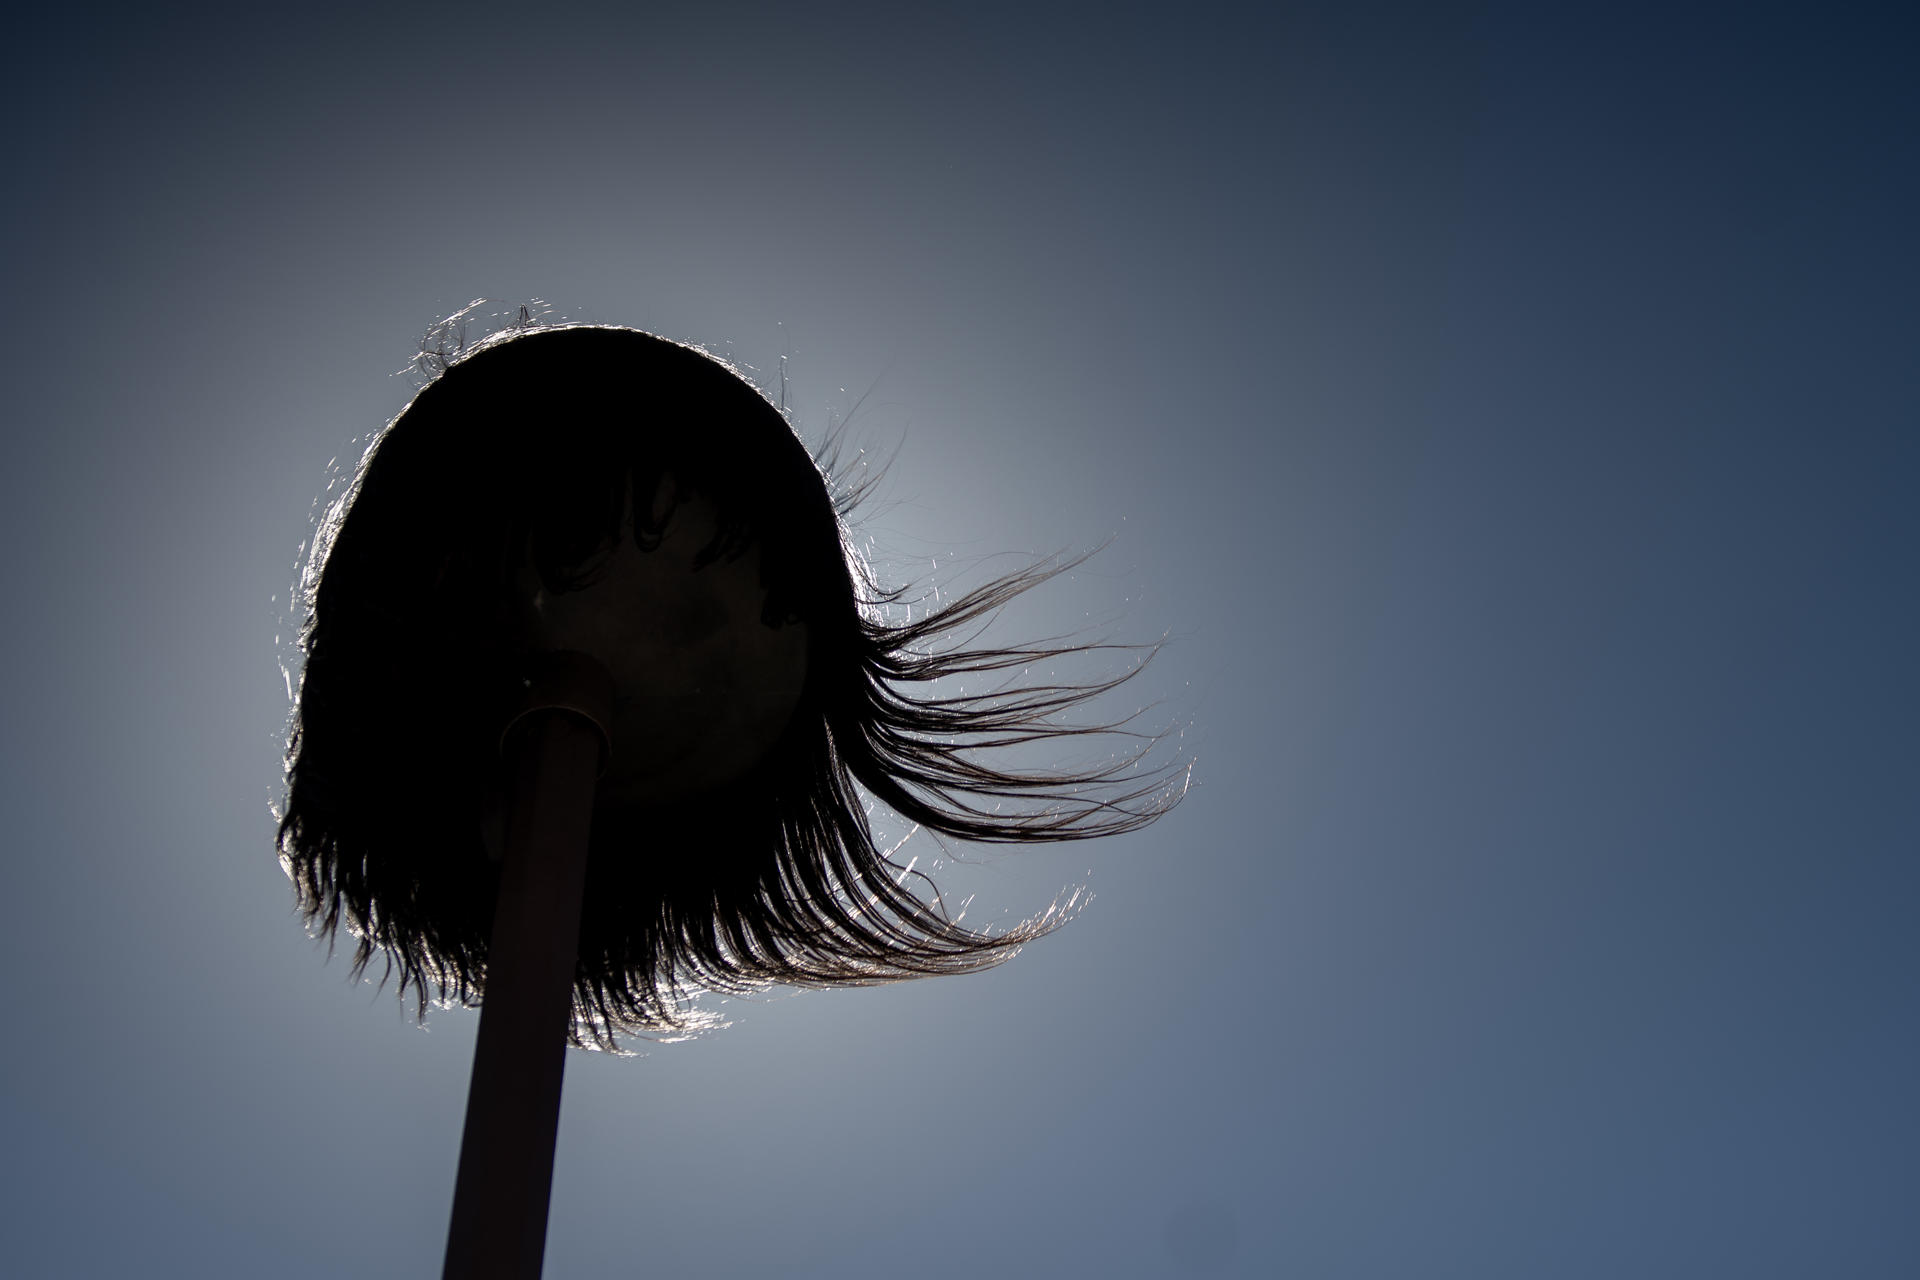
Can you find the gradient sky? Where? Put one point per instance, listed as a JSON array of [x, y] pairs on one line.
[[1509, 412]]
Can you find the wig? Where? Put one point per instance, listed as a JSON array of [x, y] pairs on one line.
[[544, 445]]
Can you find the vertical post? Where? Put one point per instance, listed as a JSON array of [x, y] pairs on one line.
[[499, 1225]]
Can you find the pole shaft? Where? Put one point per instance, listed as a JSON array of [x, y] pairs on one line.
[[499, 1225]]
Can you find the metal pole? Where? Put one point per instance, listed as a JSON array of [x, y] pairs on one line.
[[555, 746]]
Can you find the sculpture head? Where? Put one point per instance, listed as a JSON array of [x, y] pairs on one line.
[[604, 490]]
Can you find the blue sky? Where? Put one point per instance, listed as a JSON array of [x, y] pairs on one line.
[[1508, 411]]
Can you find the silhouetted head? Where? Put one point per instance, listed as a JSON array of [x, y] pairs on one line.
[[605, 490]]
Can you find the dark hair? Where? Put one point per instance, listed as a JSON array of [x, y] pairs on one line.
[[538, 440]]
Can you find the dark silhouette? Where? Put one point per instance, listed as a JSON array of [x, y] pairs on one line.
[[592, 687], [549, 461]]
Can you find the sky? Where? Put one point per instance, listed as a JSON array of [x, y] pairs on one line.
[[1507, 413]]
